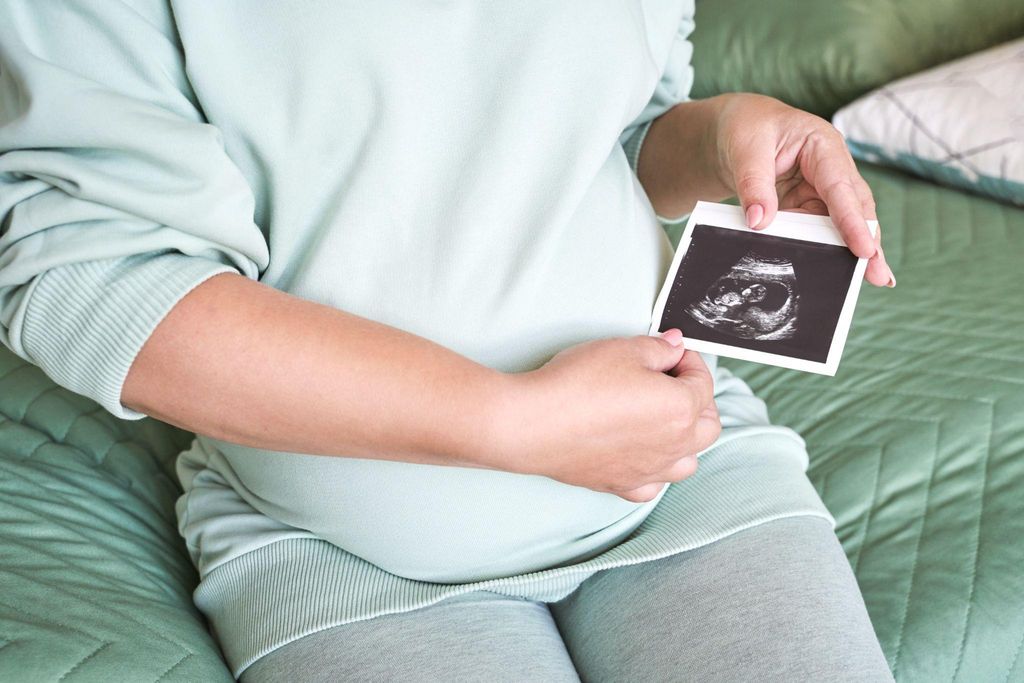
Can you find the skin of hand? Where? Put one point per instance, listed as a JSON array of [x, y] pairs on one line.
[[772, 156], [623, 415]]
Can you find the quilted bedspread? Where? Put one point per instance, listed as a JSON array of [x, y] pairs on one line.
[[917, 447], [917, 444], [95, 583]]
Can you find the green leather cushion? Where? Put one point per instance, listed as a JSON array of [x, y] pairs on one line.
[[821, 54], [917, 447]]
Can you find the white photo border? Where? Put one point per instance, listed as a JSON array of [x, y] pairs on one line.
[[801, 226]]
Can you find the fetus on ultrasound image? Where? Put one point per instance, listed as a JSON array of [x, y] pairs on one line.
[[762, 292], [757, 299]]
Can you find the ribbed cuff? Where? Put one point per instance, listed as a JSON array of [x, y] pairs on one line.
[[634, 142], [632, 146], [285, 590], [86, 322]]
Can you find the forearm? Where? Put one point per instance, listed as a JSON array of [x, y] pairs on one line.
[[240, 361], [678, 162]]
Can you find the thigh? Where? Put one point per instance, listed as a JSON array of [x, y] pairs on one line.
[[478, 636], [776, 602]]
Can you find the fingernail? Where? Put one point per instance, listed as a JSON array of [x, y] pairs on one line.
[[892, 277], [673, 336], [755, 212]]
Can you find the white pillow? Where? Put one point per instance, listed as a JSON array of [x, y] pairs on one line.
[[961, 123]]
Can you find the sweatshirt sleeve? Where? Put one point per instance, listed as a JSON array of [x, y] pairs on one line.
[[673, 88], [116, 197]]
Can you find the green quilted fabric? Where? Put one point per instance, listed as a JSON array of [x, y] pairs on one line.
[[95, 583], [917, 444], [917, 447], [819, 55]]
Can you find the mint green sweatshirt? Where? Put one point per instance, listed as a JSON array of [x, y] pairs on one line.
[[461, 170]]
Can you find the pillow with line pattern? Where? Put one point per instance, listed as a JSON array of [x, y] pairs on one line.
[[960, 124]]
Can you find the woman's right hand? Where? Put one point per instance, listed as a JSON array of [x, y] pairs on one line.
[[621, 415]]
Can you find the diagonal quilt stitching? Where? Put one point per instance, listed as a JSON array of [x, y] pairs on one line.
[[988, 448], [32, 453], [71, 425], [933, 372], [874, 495], [846, 391], [47, 621], [16, 368], [50, 440], [131, 502], [77, 530], [866, 526], [959, 314], [977, 542], [13, 502], [951, 353], [174, 666], [913, 567], [77, 567], [1016, 657], [928, 493], [119, 613], [83, 660], [822, 469], [862, 532], [28, 406], [960, 334]]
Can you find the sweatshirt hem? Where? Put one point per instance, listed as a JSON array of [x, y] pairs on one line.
[[291, 588]]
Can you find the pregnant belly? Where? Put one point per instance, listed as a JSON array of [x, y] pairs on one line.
[[434, 523]]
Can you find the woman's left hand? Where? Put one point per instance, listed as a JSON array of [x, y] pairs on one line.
[[773, 156]]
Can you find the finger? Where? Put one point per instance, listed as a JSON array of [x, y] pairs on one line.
[[867, 200], [754, 180], [707, 429], [832, 173], [848, 216], [799, 196], [694, 377], [682, 468], [662, 352], [815, 206], [643, 494], [878, 272]]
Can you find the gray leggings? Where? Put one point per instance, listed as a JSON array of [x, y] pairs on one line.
[[777, 602]]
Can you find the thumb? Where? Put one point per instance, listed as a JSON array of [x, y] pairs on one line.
[[662, 352], [755, 186]]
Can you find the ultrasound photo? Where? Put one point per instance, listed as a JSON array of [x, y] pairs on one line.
[[776, 297], [761, 292]]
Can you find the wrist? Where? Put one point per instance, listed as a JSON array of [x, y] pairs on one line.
[[681, 159], [504, 425], [715, 141]]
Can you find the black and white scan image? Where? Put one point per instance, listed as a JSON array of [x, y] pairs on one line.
[[761, 292], [756, 299]]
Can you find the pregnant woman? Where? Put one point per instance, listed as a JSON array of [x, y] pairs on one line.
[[394, 263]]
